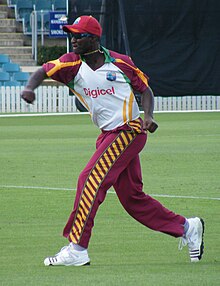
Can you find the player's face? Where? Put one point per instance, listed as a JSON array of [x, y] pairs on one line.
[[82, 43]]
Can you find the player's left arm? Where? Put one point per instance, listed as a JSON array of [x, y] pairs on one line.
[[34, 81], [147, 101]]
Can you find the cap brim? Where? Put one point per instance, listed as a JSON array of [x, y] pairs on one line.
[[71, 29]]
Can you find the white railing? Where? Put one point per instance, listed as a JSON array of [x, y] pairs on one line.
[[48, 99], [56, 100], [187, 103]]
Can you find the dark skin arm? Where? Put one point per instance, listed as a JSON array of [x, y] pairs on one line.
[[147, 101], [34, 81]]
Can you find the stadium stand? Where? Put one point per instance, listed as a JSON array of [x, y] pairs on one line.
[[4, 59], [27, 24], [23, 7], [4, 77], [10, 73], [15, 46], [42, 5], [12, 83], [21, 77], [59, 5], [11, 68], [11, 3], [46, 21]]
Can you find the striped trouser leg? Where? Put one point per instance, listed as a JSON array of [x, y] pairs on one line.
[[114, 152]]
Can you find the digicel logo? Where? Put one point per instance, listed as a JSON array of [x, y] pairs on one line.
[[96, 92]]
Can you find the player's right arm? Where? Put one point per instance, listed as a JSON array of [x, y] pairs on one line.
[[147, 101], [34, 81]]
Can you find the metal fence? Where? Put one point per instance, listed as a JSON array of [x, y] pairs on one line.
[[52, 99]]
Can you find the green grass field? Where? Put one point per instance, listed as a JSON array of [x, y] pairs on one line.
[[40, 160]]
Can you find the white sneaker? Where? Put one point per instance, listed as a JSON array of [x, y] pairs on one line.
[[194, 239], [68, 256]]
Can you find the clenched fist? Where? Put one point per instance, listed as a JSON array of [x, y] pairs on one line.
[[28, 95], [149, 124]]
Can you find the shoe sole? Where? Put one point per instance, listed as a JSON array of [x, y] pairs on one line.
[[201, 248], [196, 255], [53, 262], [86, 264], [202, 244]]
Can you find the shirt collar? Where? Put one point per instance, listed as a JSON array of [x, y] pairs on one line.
[[108, 58]]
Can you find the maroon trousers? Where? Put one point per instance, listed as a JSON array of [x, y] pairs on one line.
[[116, 163]]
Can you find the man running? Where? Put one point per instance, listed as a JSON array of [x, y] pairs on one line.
[[104, 81]]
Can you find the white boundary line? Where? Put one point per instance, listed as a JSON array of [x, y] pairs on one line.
[[111, 192], [83, 113], [41, 114]]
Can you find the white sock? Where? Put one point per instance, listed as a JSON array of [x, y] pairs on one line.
[[78, 247], [186, 226]]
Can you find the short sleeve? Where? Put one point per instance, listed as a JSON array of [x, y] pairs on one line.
[[63, 69], [138, 80]]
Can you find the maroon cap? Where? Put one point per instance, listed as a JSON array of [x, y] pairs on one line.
[[84, 24]]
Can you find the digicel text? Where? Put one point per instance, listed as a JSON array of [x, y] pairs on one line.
[[96, 92]]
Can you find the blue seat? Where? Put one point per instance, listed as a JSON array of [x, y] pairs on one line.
[[4, 77], [22, 77], [11, 68], [4, 59], [12, 83]]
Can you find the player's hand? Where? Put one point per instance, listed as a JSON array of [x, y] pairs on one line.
[[28, 95], [149, 124]]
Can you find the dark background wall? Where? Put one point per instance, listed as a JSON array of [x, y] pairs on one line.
[[175, 42]]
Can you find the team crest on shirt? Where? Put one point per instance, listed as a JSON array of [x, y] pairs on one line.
[[111, 75]]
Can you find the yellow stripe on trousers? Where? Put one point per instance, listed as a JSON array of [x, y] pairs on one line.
[[95, 179]]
